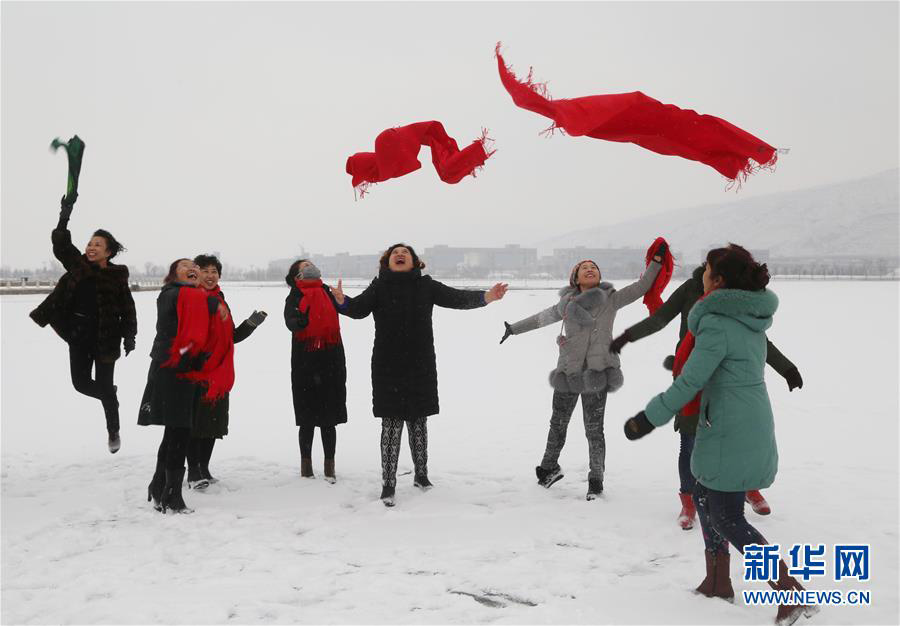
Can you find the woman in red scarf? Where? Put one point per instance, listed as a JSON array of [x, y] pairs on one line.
[[211, 415], [182, 328], [318, 366]]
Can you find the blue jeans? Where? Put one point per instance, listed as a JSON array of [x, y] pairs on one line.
[[684, 462], [722, 519]]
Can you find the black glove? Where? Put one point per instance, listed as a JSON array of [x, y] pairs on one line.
[[661, 250], [793, 378], [619, 342], [65, 208], [638, 426], [669, 362], [212, 304], [256, 318], [508, 333], [129, 345]]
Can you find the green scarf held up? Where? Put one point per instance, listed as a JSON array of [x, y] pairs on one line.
[[75, 151]]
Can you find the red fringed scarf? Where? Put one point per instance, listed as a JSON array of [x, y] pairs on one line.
[[193, 325], [217, 373], [653, 298], [637, 118], [396, 151], [681, 356], [323, 329]]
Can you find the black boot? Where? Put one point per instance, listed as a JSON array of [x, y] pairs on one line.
[[195, 478], [387, 495], [546, 478], [421, 481], [155, 489], [114, 442], [595, 488], [204, 473], [171, 496]]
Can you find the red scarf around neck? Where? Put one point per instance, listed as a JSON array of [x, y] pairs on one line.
[[217, 373], [653, 297], [323, 329], [193, 324], [397, 149], [681, 356], [636, 118]]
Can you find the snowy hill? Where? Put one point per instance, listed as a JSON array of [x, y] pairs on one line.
[[859, 217]]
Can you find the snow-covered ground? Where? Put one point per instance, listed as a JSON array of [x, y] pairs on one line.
[[80, 543]]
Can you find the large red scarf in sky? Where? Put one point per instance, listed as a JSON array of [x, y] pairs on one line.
[[639, 119], [217, 373], [397, 149]]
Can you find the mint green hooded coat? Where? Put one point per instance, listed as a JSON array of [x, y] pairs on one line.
[[735, 447]]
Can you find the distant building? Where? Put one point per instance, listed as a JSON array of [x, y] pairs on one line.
[[450, 261]]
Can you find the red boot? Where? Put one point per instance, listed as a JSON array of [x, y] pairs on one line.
[[756, 500], [688, 512]]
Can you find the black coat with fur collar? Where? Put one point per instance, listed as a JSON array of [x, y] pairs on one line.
[[404, 371], [116, 317]]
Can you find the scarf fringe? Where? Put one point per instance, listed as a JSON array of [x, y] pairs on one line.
[[313, 344], [539, 88], [752, 168]]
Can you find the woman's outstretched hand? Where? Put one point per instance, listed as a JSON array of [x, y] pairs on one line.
[[508, 333], [338, 292], [638, 426], [495, 293]]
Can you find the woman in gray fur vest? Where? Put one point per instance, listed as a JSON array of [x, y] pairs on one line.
[[587, 309]]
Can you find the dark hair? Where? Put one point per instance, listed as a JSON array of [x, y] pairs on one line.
[[205, 260], [292, 272], [417, 262], [112, 244], [171, 277], [737, 268]]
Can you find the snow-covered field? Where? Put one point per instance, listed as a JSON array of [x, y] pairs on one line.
[[80, 543]]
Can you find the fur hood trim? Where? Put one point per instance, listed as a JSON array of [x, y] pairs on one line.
[[754, 309]]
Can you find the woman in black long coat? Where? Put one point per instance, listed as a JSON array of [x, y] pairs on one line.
[[404, 372], [91, 308], [318, 366], [182, 324]]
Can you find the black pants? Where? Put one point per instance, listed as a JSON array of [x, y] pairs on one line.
[[684, 462], [172, 449], [722, 519], [329, 440], [81, 362], [593, 406], [199, 452], [391, 433]]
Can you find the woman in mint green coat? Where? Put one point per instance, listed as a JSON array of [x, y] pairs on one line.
[[735, 448]]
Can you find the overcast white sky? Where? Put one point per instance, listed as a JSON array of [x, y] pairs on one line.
[[226, 126]]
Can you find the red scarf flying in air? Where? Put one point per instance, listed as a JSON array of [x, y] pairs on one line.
[[323, 329], [217, 373], [653, 297], [636, 118], [397, 149]]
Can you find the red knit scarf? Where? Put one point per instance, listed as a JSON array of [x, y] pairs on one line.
[[217, 373], [396, 151], [681, 356], [637, 118], [653, 297], [323, 329], [193, 325]]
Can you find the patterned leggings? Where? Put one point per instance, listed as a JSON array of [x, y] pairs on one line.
[[593, 405], [391, 433]]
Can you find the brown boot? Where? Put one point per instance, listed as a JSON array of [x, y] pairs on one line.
[[708, 586], [723, 588], [789, 613], [306, 470], [329, 471]]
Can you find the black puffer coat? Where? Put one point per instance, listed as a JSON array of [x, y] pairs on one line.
[[116, 317], [404, 371], [318, 377]]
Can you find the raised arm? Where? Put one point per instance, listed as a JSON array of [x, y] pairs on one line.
[[451, 298], [546, 317], [708, 352], [627, 295], [61, 238], [664, 314], [359, 306]]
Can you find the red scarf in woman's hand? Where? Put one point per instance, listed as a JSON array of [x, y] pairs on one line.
[[193, 325], [637, 118], [323, 329], [681, 356], [397, 149], [653, 297], [217, 373]]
